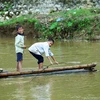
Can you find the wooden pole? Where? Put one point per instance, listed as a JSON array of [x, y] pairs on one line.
[[89, 67]]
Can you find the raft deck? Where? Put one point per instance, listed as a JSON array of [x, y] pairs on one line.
[[86, 67]]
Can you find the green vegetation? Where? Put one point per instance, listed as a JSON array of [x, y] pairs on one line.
[[78, 23], [7, 6]]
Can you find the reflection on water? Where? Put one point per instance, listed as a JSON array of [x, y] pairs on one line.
[[19, 92], [28, 90], [74, 86], [41, 92]]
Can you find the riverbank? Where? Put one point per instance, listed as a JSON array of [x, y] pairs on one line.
[[69, 24]]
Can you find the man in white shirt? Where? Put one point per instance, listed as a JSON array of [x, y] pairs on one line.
[[37, 49]]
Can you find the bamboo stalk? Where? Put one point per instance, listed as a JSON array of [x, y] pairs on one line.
[[48, 70]]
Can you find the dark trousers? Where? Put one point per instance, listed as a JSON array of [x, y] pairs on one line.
[[38, 57], [19, 57]]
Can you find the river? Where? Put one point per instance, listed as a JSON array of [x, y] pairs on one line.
[[69, 86]]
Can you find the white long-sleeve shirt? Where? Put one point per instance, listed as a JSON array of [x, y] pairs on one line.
[[41, 48], [19, 43]]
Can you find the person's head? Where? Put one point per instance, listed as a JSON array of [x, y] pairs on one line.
[[50, 42], [20, 29]]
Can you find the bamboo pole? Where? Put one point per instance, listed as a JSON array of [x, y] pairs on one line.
[[48, 70]]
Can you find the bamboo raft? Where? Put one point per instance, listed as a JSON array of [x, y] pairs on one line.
[[86, 67]]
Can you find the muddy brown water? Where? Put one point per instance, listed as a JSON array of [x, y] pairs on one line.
[[69, 86]]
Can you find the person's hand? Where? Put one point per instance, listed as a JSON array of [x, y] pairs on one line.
[[51, 62], [24, 47], [56, 62]]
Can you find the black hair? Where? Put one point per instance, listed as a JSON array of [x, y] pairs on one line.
[[18, 26], [51, 40]]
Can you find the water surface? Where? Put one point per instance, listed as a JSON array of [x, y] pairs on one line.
[[70, 86]]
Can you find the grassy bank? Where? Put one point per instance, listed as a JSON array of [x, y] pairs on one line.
[[77, 24]]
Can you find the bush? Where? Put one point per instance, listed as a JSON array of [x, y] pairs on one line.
[[72, 23]]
